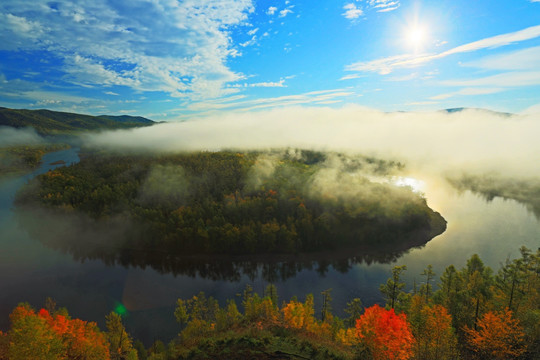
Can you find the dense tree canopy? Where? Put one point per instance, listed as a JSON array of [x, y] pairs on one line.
[[226, 202]]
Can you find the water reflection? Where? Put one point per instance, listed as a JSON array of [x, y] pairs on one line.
[[86, 240]]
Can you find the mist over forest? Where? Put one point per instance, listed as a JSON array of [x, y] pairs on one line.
[[443, 144], [468, 140]]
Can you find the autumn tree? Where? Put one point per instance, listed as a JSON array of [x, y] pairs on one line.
[[432, 329], [498, 336], [385, 335], [43, 335], [4, 346], [31, 336], [299, 315], [260, 310]]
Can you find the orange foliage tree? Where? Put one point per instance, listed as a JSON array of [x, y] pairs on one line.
[[498, 336], [385, 335], [44, 336]]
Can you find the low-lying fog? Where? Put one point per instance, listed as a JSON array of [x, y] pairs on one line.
[[469, 140]]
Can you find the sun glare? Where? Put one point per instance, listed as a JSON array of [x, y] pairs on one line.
[[415, 184], [416, 37]]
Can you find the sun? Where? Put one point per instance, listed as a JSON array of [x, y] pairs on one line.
[[416, 37]]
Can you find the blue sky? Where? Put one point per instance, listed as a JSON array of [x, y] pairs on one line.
[[169, 59]]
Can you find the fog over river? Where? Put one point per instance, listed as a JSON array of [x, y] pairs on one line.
[[31, 272]]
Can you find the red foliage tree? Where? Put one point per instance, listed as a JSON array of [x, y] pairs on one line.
[[385, 335]]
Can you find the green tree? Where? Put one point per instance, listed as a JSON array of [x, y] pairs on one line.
[[271, 293], [326, 309], [478, 280], [427, 287], [354, 309], [392, 290], [120, 342]]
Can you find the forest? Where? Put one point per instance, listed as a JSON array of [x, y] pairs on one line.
[[230, 203], [469, 313]]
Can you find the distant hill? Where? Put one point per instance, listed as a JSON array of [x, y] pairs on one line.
[[47, 122], [460, 109]]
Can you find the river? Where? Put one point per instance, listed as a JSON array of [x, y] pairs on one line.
[[31, 272]]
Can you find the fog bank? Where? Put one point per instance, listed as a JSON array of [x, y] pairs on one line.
[[10, 136], [466, 140]]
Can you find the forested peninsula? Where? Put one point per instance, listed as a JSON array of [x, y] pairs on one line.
[[228, 202]]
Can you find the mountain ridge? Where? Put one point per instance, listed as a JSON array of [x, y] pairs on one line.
[[49, 122]]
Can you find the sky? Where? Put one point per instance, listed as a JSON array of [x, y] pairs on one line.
[[175, 60]]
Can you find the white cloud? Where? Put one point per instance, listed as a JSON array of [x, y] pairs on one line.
[[280, 83], [508, 79], [241, 104], [408, 77], [496, 41], [384, 5], [532, 110], [386, 65], [271, 10], [468, 92], [250, 42], [85, 71], [524, 59], [382, 66], [181, 48], [351, 11], [111, 93], [17, 31], [285, 12], [351, 76], [387, 9], [421, 103]]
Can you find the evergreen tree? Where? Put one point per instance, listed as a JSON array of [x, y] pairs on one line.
[[392, 290]]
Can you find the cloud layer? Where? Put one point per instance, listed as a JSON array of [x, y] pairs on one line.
[[440, 141], [178, 47]]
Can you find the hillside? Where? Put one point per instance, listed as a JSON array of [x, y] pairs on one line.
[[47, 122]]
